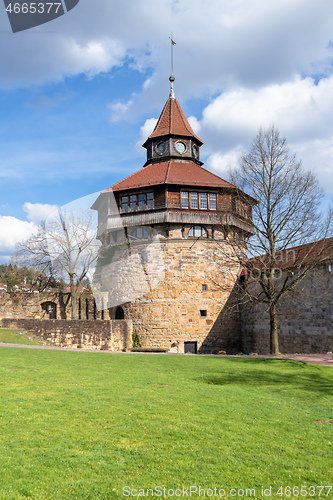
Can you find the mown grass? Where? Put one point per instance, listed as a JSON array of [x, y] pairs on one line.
[[10, 336], [76, 425]]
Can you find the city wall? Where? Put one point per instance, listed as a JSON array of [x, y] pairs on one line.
[[103, 335], [305, 317]]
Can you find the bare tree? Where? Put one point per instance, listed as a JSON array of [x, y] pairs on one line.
[[66, 246], [286, 219]]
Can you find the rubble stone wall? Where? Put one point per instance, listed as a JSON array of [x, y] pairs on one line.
[[104, 335], [305, 318]]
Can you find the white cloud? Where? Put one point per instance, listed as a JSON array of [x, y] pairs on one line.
[[301, 109], [222, 163], [12, 232], [119, 110], [38, 212], [145, 132], [195, 124], [219, 43]]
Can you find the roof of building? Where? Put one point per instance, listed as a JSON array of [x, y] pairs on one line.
[[173, 122], [320, 251], [185, 173]]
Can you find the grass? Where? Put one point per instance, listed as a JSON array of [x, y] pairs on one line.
[[76, 425], [9, 336]]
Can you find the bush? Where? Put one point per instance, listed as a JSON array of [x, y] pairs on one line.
[[136, 340]]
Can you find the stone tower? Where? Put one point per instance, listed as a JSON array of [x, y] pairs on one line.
[[164, 261]]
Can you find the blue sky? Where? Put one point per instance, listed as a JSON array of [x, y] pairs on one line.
[[79, 95]]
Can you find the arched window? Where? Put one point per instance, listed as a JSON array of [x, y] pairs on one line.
[[120, 313], [140, 233], [197, 231]]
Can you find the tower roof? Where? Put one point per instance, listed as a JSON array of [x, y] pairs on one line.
[[173, 122], [172, 173]]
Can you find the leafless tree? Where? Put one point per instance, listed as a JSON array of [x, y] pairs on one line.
[[65, 245], [290, 231]]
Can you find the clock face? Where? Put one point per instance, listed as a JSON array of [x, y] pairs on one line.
[[195, 151], [160, 148], [180, 147]]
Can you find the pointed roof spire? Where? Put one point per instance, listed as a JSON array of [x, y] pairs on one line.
[[173, 122], [172, 78], [172, 94]]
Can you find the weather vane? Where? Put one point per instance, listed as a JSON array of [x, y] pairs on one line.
[[172, 78]]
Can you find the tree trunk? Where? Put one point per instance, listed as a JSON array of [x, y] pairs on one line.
[[73, 298], [274, 339]]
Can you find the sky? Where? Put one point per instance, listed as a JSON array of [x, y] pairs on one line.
[[80, 94]]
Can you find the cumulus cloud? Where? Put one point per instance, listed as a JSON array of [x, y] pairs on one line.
[[195, 124], [222, 163], [300, 109], [38, 212], [248, 41], [145, 132], [12, 232], [118, 109]]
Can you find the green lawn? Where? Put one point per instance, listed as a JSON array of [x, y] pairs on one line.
[[8, 336], [76, 425]]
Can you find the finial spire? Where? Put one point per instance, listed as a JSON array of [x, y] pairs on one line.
[[172, 78]]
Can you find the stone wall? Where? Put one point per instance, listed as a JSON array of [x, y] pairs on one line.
[[305, 318], [190, 301], [105, 335], [24, 305]]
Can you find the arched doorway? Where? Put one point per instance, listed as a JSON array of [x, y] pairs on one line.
[[120, 313], [50, 309]]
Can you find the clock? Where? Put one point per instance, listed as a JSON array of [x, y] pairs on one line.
[[160, 148], [180, 147]]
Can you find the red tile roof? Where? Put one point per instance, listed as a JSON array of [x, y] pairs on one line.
[[308, 253], [185, 173], [173, 122]]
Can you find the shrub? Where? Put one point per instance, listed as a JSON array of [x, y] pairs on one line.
[[136, 340]]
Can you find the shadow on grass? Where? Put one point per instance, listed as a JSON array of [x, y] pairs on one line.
[[278, 373]]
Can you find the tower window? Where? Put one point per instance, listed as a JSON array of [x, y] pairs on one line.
[[140, 233], [124, 203], [203, 312], [203, 201], [197, 231], [184, 199], [133, 203], [140, 201], [194, 200], [150, 201], [212, 201], [198, 200], [204, 288]]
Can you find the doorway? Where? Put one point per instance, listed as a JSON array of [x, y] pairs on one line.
[[191, 347]]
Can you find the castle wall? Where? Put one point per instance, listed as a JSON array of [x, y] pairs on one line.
[[23, 305], [305, 318], [29, 305], [102, 335]]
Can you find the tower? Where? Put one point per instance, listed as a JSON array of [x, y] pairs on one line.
[[164, 230]]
